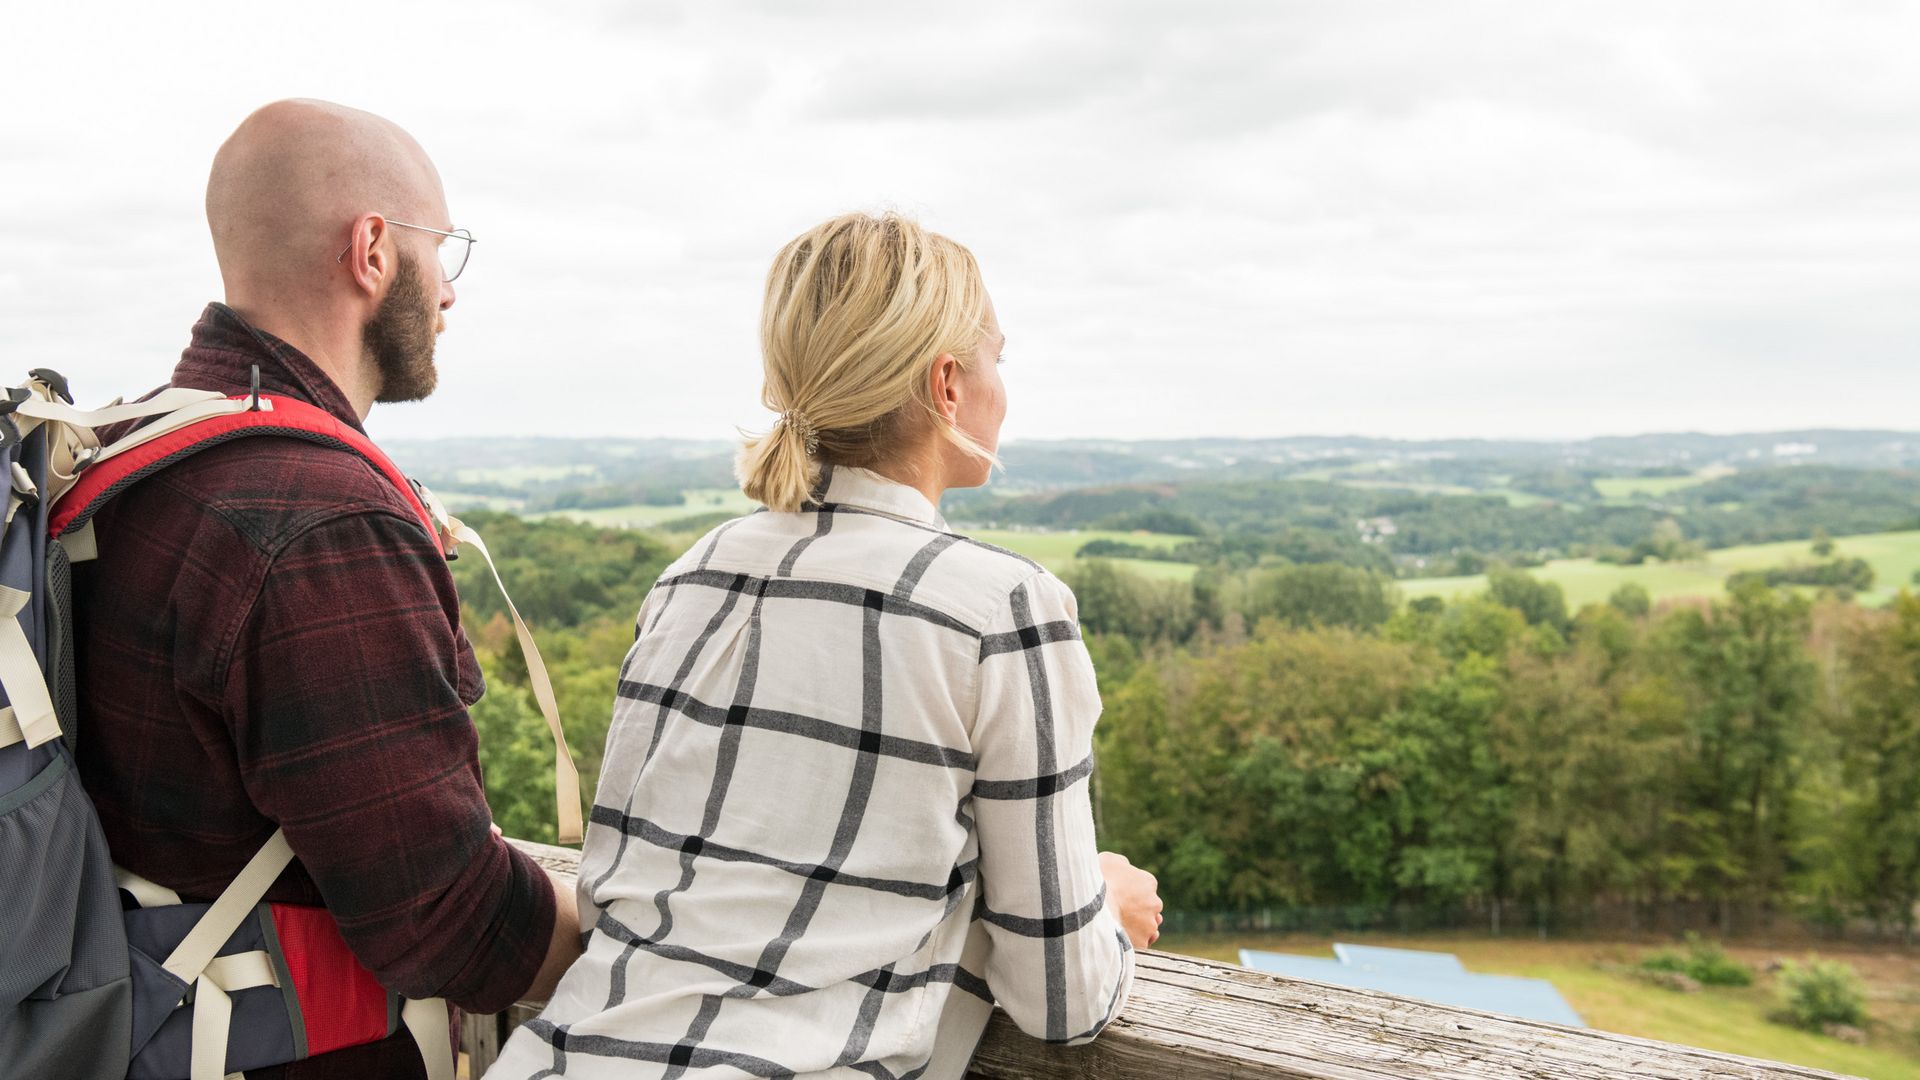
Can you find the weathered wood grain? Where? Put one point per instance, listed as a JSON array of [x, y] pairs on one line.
[[480, 1039], [1196, 1020]]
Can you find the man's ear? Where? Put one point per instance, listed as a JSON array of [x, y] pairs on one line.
[[943, 383], [369, 260]]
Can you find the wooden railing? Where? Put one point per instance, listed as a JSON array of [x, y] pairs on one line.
[[1197, 1020]]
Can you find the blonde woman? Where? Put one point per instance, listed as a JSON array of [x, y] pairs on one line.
[[844, 800]]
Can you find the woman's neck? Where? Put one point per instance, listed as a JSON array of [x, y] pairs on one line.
[[922, 471]]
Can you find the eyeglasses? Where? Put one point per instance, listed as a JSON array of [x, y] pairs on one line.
[[453, 257]]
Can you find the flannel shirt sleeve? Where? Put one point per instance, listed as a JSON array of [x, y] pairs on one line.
[[344, 695], [1059, 964]]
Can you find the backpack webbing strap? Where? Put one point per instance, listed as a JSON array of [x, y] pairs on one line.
[[426, 1020], [214, 420], [10, 732], [30, 703], [566, 785], [169, 400], [189, 958], [145, 893], [213, 1008], [192, 961], [212, 1024], [196, 427]]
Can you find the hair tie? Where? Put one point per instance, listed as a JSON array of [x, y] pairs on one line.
[[792, 419]]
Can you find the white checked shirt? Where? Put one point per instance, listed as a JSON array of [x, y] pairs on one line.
[[843, 805]]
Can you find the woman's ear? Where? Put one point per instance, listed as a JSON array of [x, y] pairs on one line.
[[943, 385]]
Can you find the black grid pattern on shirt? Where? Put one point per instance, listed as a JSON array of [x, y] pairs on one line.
[[871, 745]]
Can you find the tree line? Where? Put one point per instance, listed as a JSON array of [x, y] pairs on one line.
[[1246, 521], [1292, 735], [1318, 747]]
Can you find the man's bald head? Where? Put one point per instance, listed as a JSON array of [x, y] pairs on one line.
[[288, 184]]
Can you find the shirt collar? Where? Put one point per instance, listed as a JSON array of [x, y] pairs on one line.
[[225, 348], [868, 490]]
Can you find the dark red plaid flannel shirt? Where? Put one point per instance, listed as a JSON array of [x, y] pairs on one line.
[[270, 638]]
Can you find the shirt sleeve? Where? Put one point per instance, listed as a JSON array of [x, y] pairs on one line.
[[344, 694], [1059, 964]]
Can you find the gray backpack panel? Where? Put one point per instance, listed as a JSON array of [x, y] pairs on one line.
[[66, 1006]]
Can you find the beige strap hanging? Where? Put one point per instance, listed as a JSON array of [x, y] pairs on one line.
[[212, 1020], [26, 687], [566, 778], [426, 1020]]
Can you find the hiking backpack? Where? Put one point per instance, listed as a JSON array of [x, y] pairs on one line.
[[102, 974]]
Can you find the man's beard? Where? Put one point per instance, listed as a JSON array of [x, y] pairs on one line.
[[398, 340]]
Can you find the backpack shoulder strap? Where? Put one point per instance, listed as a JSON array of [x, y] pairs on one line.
[[180, 435], [177, 436]]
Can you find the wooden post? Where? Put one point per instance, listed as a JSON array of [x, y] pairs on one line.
[[480, 1038]]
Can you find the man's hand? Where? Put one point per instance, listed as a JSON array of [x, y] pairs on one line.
[[1133, 895]]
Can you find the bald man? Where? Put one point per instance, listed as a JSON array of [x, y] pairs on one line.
[[271, 639]]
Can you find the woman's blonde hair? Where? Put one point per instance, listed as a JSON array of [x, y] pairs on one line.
[[856, 310]]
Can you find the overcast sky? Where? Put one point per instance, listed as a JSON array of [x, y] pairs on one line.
[[1409, 219]]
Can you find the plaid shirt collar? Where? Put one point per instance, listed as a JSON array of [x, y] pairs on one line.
[[868, 490], [225, 348]]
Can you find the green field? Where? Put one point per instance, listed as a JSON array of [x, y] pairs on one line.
[[522, 475], [1355, 476], [1625, 487], [1729, 1019], [647, 516], [1894, 557], [1056, 550]]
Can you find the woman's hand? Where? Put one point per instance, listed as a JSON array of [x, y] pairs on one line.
[[1133, 895]]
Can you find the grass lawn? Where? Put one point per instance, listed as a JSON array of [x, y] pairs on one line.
[[522, 475], [645, 516], [1355, 476], [1522, 499], [1056, 550], [1626, 487], [1893, 556], [1733, 1020]]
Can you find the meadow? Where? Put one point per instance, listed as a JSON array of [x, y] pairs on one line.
[[1057, 550], [1894, 557], [1729, 1019], [1626, 487], [652, 516]]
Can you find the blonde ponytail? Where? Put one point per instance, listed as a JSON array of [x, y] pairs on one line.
[[856, 310], [777, 469]]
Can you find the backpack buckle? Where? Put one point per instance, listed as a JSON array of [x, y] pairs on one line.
[[53, 381]]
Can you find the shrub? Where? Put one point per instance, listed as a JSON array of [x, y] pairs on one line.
[[1631, 600], [1705, 962], [1708, 963], [1821, 992], [1665, 960]]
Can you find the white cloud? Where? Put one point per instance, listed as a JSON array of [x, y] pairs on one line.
[[1463, 217]]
